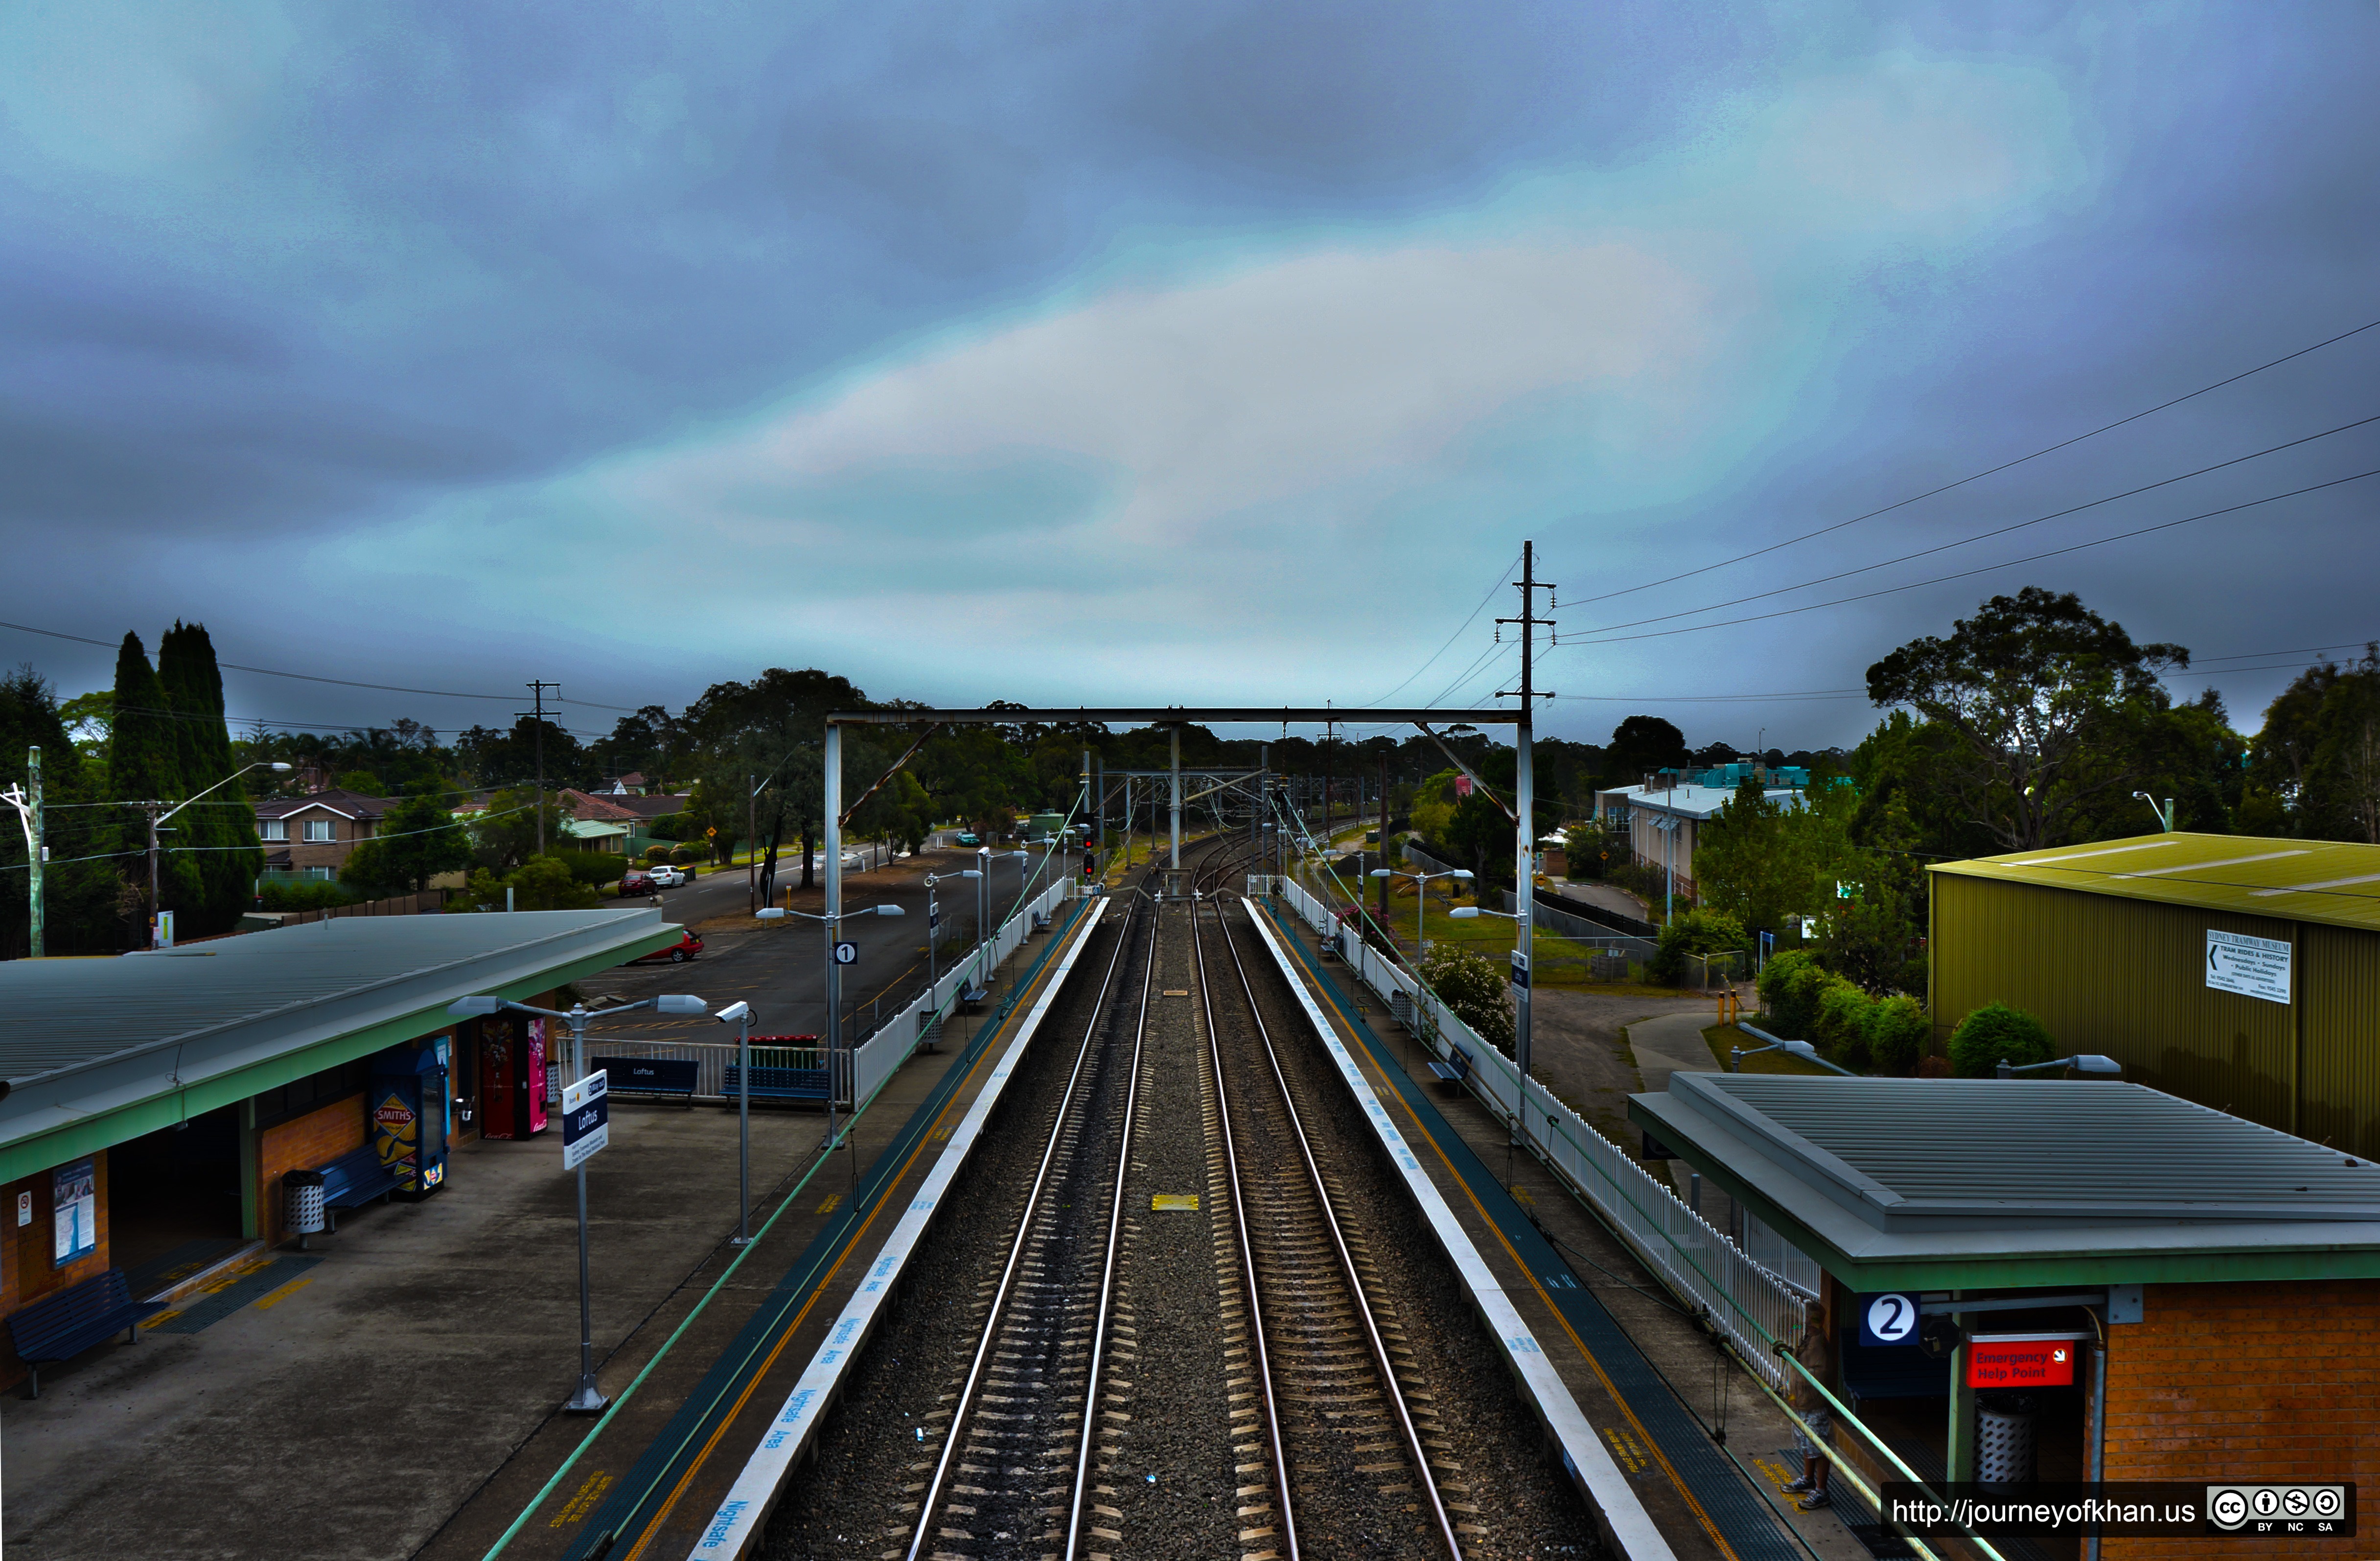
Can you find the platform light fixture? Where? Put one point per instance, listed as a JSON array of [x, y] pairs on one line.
[[1421, 897], [2089, 1062]]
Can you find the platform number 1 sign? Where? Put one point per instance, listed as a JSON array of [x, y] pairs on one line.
[[1888, 1319]]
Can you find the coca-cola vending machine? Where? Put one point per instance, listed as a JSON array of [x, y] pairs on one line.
[[511, 1076]]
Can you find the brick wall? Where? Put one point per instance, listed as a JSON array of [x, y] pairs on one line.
[[2246, 1382], [25, 1275], [317, 1138]]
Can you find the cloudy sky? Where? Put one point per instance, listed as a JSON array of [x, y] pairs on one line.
[[1097, 354]]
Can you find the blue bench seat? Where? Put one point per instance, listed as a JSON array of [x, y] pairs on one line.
[[778, 1083], [354, 1180], [1455, 1068], [58, 1327], [649, 1075]]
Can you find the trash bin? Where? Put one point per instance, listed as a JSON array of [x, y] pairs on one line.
[[1400, 1008], [301, 1192], [2004, 1439]]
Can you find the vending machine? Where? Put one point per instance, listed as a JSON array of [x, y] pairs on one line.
[[408, 1108], [512, 1077]]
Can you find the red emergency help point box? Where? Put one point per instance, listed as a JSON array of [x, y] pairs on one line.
[[2021, 1363]]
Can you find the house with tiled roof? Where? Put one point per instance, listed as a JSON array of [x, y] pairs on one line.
[[310, 836], [596, 823]]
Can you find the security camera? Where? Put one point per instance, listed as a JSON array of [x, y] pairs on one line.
[[734, 1013]]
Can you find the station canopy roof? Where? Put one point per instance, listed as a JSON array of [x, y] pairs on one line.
[[1965, 1184], [95, 1051], [2336, 882]]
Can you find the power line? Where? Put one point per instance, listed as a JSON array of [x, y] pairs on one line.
[[1987, 471], [312, 677], [1987, 568], [1496, 585], [1984, 535]]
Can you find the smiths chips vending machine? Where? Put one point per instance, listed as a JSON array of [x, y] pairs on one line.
[[511, 1076], [408, 1103]]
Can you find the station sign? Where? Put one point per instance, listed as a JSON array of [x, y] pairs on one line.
[[585, 1118], [1520, 970], [2022, 1359], [846, 953], [1887, 1320]]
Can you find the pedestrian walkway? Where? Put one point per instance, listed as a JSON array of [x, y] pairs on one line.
[[1673, 1043]]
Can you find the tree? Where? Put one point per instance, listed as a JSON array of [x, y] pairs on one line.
[[1642, 746], [2027, 689], [144, 768], [1994, 1034], [505, 836], [78, 894], [418, 840], [1473, 988], [218, 832]]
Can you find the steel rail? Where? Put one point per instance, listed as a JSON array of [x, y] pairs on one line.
[[932, 1496], [1247, 1251], [1107, 1271], [1346, 1259]]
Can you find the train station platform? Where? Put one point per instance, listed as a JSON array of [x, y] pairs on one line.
[[1655, 1388], [396, 1389]]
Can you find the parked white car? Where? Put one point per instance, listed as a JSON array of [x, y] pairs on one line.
[[665, 875]]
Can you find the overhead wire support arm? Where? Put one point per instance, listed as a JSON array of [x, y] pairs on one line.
[[898, 764], [1477, 784]]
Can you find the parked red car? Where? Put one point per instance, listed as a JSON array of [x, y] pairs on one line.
[[676, 954]]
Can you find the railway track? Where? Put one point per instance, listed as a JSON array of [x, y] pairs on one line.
[[1333, 1414], [1010, 1477]]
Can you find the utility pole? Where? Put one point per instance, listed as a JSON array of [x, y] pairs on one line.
[[751, 843], [1526, 854], [538, 739], [1384, 843], [26, 800]]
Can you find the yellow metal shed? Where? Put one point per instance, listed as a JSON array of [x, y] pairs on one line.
[[2239, 971]]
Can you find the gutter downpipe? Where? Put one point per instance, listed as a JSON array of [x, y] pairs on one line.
[[2098, 1473]]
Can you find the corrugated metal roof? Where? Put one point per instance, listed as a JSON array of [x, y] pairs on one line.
[[1936, 1182], [2334, 882], [2044, 1147], [57, 1015]]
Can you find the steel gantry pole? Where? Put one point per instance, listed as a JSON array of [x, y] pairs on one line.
[[1174, 861], [1524, 824], [833, 761]]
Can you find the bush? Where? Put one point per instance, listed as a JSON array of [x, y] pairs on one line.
[[1933, 1067], [1996, 1033], [1688, 934], [1473, 986], [595, 867], [1790, 984], [274, 895], [657, 853], [685, 856], [544, 884], [1845, 1015], [1900, 1034]]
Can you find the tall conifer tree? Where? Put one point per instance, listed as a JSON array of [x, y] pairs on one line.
[[225, 824], [144, 765]]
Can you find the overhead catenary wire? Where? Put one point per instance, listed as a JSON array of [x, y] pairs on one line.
[[1989, 471], [1499, 584], [1988, 568], [1981, 535]]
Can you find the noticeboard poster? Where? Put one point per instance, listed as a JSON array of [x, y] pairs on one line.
[[74, 1204], [2254, 967]]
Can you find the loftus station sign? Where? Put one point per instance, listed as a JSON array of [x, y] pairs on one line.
[[2022, 1359]]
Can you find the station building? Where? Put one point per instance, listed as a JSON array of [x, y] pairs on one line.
[[2147, 1289], [2239, 972], [151, 1103], [1664, 818]]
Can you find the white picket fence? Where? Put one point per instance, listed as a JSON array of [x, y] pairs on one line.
[[882, 1055], [1750, 1305]]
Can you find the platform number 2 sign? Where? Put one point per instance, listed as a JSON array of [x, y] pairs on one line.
[[1889, 1319]]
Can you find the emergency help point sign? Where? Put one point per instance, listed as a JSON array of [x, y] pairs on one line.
[[2254, 967], [2021, 1363]]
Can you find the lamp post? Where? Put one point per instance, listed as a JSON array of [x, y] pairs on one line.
[[157, 819], [1421, 897], [2089, 1062], [739, 1014], [27, 801], [934, 921], [590, 1398], [1802, 1050], [2164, 814], [833, 920]]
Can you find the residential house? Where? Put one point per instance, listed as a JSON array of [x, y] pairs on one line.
[[310, 836], [596, 823], [1663, 819]]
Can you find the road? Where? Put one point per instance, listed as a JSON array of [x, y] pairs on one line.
[[780, 968]]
